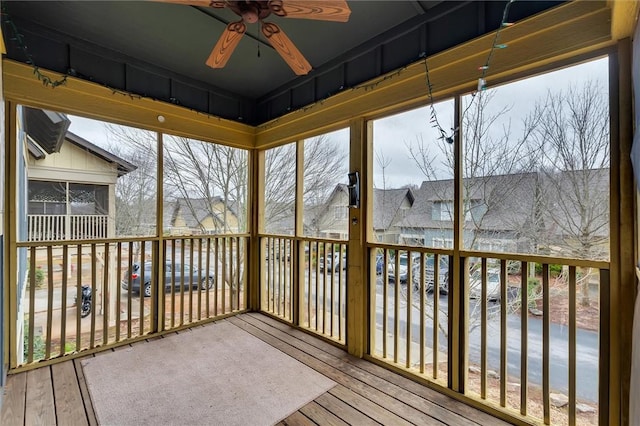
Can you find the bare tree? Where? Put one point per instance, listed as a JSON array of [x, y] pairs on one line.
[[496, 167], [572, 139], [383, 163], [559, 164], [135, 191], [324, 165], [209, 177]]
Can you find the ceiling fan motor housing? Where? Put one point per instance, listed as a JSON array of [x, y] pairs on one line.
[[252, 11]]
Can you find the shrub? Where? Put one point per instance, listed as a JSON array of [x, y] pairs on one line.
[[533, 289], [38, 344], [39, 274], [554, 269]]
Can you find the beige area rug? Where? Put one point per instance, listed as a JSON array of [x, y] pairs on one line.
[[213, 375]]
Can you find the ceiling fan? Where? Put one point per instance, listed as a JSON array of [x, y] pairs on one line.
[[252, 11]]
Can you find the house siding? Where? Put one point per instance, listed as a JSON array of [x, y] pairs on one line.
[[73, 164]]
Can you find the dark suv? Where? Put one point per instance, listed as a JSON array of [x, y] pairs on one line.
[[184, 275], [429, 272]]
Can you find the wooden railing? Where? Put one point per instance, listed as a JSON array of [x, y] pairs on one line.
[[528, 328], [304, 282], [133, 295], [43, 227]]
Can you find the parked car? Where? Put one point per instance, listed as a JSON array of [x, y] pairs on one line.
[[493, 285], [429, 271], [339, 261], [184, 275], [403, 270]]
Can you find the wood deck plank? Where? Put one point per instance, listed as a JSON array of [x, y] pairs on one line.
[[84, 390], [366, 394], [67, 395], [320, 415], [426, 410], [368, 407], [399, 412], [344, 411], [13, 404], [416, 388], [40, 407], [302, 335], [298, 419]]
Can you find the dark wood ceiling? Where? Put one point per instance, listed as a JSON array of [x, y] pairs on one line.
[[159, 50]]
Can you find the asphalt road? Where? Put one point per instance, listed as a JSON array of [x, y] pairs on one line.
[[586, 351]]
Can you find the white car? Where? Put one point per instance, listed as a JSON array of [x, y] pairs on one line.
[[493, 285]]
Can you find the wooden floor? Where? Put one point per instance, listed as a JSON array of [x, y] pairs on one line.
[[365, 393]]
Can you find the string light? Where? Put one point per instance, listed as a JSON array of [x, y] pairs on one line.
[[482, 81], [19, 39]]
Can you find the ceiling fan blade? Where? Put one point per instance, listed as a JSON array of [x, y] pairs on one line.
[[226, 44], [206, 3], [285, 47], [323, 10]]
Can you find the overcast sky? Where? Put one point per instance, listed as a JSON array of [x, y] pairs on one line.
[[393, 134]]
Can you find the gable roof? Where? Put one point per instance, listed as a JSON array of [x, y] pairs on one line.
[[48, 130], [506, 200], [122, 165], [386, 203], [533, 203]]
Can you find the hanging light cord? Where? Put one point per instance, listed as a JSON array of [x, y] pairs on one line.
[[449, 137], [19, 39]]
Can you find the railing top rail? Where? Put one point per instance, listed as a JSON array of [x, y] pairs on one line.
[[121, 240], [417, 249], [521, 257], [600, 264], [203, 236], [304, 238]]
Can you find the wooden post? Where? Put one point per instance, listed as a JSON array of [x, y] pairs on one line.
[[623, 279], [357, 286], [297, 246], [256, 225], [11, 237], [458, 296], [158, 302]]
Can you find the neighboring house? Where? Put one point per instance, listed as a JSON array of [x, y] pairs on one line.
[[331, 219], [66, 191], [203, 216], [390, 207], [497, 209], [522, 212], [311, 220], [70, 181]]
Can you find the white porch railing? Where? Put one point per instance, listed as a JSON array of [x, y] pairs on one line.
[[44, 227]]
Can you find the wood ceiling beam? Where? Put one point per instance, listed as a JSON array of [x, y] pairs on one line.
[[83, 98], [624, 15]]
